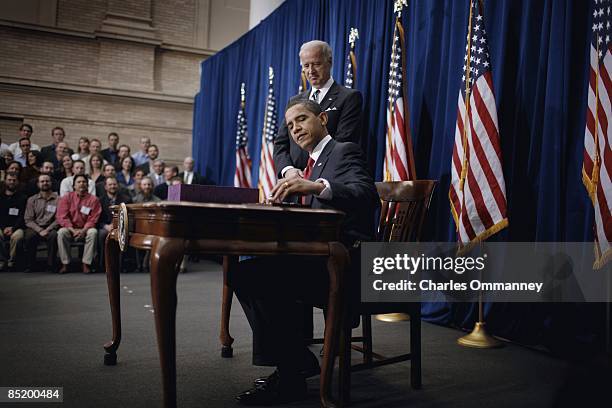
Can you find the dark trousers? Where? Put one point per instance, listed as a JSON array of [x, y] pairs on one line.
[[274, 291], [32, 239]]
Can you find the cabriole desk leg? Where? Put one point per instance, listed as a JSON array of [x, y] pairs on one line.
[[166, 254], [336, 264], [112, 265]]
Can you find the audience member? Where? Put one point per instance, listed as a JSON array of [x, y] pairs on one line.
[[162, 190], [78, 169], [135, 188], [110, 153], [13, 167], [32, 168], [78, 213], [26, 131], [146, 191], [188, 175], [24, 148], [57, 136], [96, 162], [65, 169], [108, 170], [142, 156], [153, 153], [61, 151], [112, 196], [157, 175], [124, 176], [12, 207], [83, 150], [40, 222], [95, 147], [32, 187], [122, 153]]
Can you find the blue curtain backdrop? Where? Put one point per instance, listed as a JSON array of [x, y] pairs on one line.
[[539, 54]]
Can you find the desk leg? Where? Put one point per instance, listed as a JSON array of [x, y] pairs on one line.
[[166, 254], [226, 306], [336, 264], [111, 260]]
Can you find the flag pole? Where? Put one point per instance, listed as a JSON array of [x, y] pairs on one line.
[[479, 337]]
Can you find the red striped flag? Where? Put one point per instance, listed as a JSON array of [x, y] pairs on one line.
[[267, 174], [478, 190], [242, 176], [597, 161], [399, 159]]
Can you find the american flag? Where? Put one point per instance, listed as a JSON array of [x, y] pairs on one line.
[[242, 177], [478, 190], [267, 174], [399, 159], [597, 162], [351, 61]]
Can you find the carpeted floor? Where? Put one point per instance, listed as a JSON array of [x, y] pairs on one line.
[[52, 328]]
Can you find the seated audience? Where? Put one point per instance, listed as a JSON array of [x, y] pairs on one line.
[[57, 136], [26, 131], [110, 153], [146, 192], [162, 190], [24, 148], [124, 176], [96, 162], [32, 168], [157, 175], [32, 187], [112, 196], [78, 169], [83, 150], [153, 154], [12, 207], [142, 156], [41, 223], [78, 213]]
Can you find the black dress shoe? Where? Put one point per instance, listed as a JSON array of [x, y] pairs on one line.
[[275, 390], [306, 373]]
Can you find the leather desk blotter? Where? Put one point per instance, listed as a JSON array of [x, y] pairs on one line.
[[212, 194]]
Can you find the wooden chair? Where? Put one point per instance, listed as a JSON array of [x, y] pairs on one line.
[[403, 211]]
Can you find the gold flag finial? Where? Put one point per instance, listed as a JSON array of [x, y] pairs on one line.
[[398, 6], [353, 36]]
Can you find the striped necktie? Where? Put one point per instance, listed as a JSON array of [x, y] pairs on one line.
[[315, 95]]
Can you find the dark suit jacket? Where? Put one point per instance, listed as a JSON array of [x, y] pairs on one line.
[[106, 217], [197, 178], [161, 191], [144, 167], [353, 190], [48, 153], [106, 153], [343, 108]]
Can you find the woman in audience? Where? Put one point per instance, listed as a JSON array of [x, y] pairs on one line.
[[32, 169], [83, 149], [65, 169], [8, 156], [124, 177], [96, 161]]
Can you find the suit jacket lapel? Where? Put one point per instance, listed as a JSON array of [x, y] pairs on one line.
[[320, 165], [330, 97]]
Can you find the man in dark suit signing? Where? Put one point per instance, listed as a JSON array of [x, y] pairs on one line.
[[342, 106], [273, 290]]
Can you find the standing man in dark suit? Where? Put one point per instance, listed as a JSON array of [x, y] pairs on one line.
[[161, 190], [111, 152], [189, 176], [336, 177], [58, 135], [342, 106]]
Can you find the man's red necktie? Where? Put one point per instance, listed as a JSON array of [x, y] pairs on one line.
[[307, 173]]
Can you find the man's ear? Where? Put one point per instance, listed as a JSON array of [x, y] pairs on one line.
[[323, 118]]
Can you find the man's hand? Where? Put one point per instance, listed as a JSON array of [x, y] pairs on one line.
[[43, 233], [7, 231], [292, 173], [295, 185], [108, 227], [78, 233]]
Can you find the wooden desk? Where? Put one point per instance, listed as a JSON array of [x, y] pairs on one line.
[[171, 229]]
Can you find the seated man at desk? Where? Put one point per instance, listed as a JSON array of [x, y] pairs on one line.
[[271, 289]]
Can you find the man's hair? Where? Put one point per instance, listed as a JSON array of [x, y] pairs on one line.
[[324, 47], [12, 174], [110, 178], [176, 178], [107, 165], [153, 145], [28, 126], [124, 145], [58, 128], [95, 140], [43, 175], [78, 161], [112, 134], [24, 138], [311, 106], [74, 179], [160, 161], [174, 169], [147, 178]]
